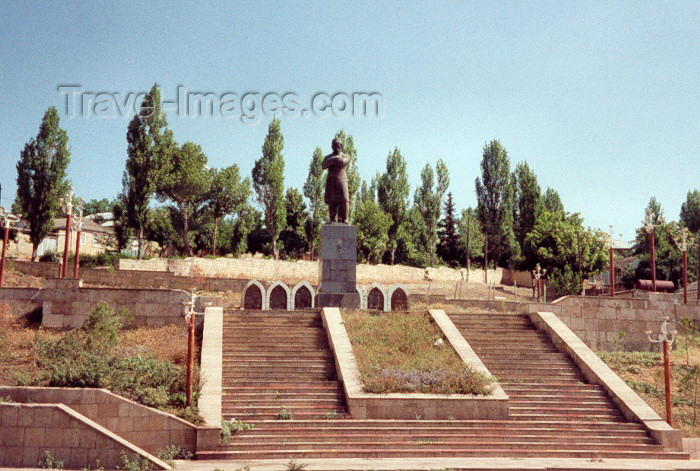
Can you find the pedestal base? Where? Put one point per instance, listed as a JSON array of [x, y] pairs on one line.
[[338, 262], [343, 300]]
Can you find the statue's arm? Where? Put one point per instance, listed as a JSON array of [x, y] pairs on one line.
[[326, 162]]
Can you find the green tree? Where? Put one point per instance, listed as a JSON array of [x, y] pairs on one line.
[[449, 242], [293, 236], [41, 177], [668, 257], [268, 182], [121, 226], [528, 204], [690, 217], [428, 199], [392, 191], [185, 182], [354, 179], [471, 236], [149, 143], [494, 194], [551, 201], [372, 226], [160, 228], [567, 250], [95, 206], [314, 190], [227, 195]]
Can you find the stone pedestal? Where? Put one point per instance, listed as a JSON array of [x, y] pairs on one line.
[[337, 286]]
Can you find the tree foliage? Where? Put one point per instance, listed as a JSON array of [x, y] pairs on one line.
[[567, 250], [494, 194], [392, 193], [314, 190], [185, 182], [41, 177], [293, 236], [149, 143], [551, 201], [528, 205], [428, 199], [449, 248], [268, 182], [228, 194], [471, 236], [372, 226]]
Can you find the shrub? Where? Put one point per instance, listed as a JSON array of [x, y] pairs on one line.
[[49, 256], [173, 452], [284, 414], [231, 427], [49, 462]]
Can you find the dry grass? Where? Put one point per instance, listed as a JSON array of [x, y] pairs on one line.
[[644, 372], [396, 352], [15, 279]]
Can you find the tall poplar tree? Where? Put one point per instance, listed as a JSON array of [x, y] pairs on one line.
[[228, 194], [494, 194], [392, 193], [314, 190], [528, 205], [149, 141], [551, 201], [428, 199], [41, 177], [448, 248], [268, 182], [690, 217]]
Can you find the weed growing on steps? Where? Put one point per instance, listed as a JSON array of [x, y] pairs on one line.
[[134, 464], [231, 427], [331, 415], [173, 452], [47, 461], [294, 466], [284, 414]]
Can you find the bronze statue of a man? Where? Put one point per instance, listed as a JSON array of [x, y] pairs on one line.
[[337, 196]]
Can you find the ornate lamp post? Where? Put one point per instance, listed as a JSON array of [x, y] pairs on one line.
[[66, 247], [7, 219], [666, 337], [685, 239], [189, 318], [649, 227], [538, 273], [79, 230]]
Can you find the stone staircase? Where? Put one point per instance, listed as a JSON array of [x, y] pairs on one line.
[[281, 360]]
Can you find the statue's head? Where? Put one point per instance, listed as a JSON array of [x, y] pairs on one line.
[[337, 145]]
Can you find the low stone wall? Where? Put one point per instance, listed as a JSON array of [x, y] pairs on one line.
[[135, 278], [617, 323], [30, 430], [596, 371], [364, 405], [147, 428], [67, 304], [293, 272]]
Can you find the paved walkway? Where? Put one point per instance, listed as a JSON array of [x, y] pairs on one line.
[[471, 464]]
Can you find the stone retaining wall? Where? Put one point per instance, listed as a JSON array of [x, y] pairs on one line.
[[618, 323], [293, 272], [31, 430], [135, 278], [147, 428]]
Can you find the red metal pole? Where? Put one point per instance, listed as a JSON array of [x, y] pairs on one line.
[[5, 238], [190, 360], [66, 247], [612, 272], [685, 277], [76, 262], [667, 384], [652, 261]]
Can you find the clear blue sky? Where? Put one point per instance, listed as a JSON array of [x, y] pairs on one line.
[[601, 99]]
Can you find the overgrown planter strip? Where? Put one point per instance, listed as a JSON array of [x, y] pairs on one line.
[[364, 405]]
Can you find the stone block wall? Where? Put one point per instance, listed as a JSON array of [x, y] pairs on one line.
[[147, 428], [618, 323], [30, 430]]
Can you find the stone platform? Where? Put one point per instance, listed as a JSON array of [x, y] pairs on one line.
[[338, 261]]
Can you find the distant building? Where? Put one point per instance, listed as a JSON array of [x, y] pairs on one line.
[[94, 239]]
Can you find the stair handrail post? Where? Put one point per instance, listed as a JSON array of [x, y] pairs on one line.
[[666, 338]]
